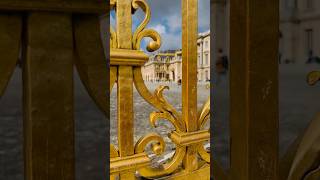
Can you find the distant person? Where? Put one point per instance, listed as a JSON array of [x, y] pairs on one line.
[[179, 82], [287, 61], [221, 63], [279, 59], [221, 66], [225, 62]]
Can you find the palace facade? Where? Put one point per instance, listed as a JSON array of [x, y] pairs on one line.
[[166, 66], [299, 29]]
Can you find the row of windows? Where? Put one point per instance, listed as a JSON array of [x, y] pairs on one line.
[[206, 75], [206, 44], [307, 4], [206, 60], [308, 41]]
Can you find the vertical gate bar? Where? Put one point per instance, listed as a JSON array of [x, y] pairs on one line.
[[125, 86], [124, 24], [189, 75], [254, 28], [48, 98], [125, 115]]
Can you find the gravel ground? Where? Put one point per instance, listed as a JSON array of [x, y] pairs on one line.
[[298, 105]]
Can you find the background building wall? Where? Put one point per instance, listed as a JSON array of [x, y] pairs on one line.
[[296, 18]]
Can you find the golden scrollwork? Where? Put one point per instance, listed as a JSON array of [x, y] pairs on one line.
[[204, 114], [313, 77], [113, 151], [166, 111], [141, 32], [203, 117], [158, 144]]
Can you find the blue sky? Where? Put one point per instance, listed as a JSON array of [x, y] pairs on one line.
[[166, 20]]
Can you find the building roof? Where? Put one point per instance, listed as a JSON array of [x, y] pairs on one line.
[[204, 34]]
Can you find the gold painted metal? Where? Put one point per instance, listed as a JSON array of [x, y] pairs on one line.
[[127, 57], [71, 6], [202, 174], [301, 161], [128, 163], [10, 35], [126, 62], [254, 32], [58, 34], [186, 139], [189, 74], [313, 77], [90, 59], [48, 98], [306, 162]]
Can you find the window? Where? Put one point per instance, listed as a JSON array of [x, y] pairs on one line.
[[206, 59], [309, 4], [206, 44], [290, 4], [207, 75], [309, 41], [295, 5]]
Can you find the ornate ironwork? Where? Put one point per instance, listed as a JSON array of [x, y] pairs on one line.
[[126, 61]]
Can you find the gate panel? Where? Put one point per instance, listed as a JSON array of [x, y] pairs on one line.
[[190, 159]]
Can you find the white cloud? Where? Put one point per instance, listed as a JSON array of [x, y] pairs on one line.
[[169, 39], [174, 22], [161, 29]]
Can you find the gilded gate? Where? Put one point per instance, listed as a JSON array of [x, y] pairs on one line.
[[55, 35], [126, 60]]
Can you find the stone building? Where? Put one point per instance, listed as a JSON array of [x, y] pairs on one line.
[[166, 66], [299, 29], [204, 56], [163, 66]]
